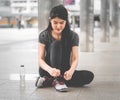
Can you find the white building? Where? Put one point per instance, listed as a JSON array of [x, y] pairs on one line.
[[24, 7], [16, 7], [75, 8], [4, 7], [11, 10]]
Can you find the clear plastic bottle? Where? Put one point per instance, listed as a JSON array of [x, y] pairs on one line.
[[22, 76]]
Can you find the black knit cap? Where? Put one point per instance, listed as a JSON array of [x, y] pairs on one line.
[[59, 11]]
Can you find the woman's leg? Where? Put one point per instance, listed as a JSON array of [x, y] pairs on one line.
[[55, 57], [56, 54], [55, 61], [80, 78]]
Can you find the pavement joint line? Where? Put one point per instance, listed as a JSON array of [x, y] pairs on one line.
[[16, 76]]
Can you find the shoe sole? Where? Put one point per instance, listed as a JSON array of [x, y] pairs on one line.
[[37, 81], [62, 90]]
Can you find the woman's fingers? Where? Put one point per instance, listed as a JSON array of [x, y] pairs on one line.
[[67, 76], [55, 72]]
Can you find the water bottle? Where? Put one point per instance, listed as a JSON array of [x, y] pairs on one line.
[[22, 76]]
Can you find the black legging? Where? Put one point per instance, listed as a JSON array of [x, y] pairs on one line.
[[79, 78]]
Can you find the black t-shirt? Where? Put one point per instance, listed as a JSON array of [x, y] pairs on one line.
[[73, 40]]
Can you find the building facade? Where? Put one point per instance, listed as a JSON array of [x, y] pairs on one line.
[[12, 10]]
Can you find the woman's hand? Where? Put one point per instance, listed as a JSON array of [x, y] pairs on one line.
[[68, 74], [54, 72]]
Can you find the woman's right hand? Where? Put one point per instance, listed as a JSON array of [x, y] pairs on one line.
[[54, 72]]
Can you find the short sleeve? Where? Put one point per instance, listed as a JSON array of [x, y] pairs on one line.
[[43, 38], [75, 39]]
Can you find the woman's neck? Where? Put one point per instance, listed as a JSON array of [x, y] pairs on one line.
[[56, 36]]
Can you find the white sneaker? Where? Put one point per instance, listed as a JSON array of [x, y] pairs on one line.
[[39, 82], [60, 85], [43, 82]]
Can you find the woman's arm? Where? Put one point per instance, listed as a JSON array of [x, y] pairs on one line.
[[52, 71], [74, 62], [41, 56]]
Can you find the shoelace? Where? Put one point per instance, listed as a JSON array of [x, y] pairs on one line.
[[47, 81], [59, 80], [61, 83]]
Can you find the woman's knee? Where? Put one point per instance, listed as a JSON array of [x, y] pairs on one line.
[[90, 77]]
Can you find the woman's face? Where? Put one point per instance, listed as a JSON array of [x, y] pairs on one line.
[[58, 25]]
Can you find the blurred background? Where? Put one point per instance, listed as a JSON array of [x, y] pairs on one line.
[[24, 13], [18, 13]]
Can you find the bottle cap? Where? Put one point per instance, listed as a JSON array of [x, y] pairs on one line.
[[22, 65]]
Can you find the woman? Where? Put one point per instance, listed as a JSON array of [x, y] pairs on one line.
[[58, 54]]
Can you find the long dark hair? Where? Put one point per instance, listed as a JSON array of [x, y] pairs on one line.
[[61, 12]]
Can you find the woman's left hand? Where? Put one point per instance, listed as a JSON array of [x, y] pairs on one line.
[[68, 74]]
